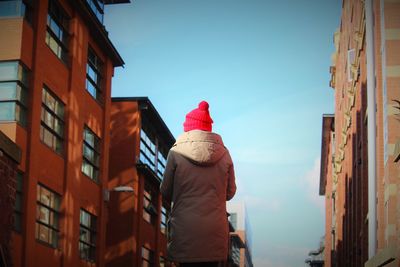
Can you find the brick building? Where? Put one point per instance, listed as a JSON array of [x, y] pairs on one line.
[[137, 222], [10, 157], [56, 65], [354, 184], [240, 237]]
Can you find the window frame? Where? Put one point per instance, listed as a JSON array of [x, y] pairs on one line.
[[97, 10], [19, 194], [165, 213], [96, 65], [150, 211], [45, 107], [96, 149], [53, 229], [61, 21], [19, 77], [92, 230], [150, 153], [150, 260]]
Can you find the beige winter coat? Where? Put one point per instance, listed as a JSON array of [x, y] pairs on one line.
[[198, 179]]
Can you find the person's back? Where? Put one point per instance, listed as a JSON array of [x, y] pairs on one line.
[[198, 179]]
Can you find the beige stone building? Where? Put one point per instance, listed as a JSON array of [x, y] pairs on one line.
[[360, 167]]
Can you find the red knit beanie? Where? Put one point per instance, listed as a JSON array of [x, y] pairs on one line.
[[198, 119]]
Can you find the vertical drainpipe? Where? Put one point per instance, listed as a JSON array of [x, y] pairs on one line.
[[372, 229]]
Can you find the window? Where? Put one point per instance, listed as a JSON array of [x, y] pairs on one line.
[[350, 61], [93, 75], [151, 155], [147, 257], [52, 121], [16, 8], [164, 219], [233, 220], [87, 236], [149, 208], [13, 92], [97, 8], [47, 215], [57, 30], [91, 154], [18, 202], [162, 261]]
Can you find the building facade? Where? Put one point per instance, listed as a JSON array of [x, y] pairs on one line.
[[240, 237], [56, 65], [10, 157], [344, 158], [137, 221]]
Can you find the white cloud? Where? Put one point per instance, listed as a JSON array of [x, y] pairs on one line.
[[311, 180]]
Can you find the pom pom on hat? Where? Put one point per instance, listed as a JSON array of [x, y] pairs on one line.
[[198, 119]]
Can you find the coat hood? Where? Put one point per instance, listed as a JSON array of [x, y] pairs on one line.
[[200, 147]]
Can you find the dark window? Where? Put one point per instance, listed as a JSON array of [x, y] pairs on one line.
[[13, 92], [97, 7], [93, 75], [91, 154], [57, 30], [149, 206], [147, 257], [47, 216], [150, 153], [87, 236], [52, 121], [18, 202]]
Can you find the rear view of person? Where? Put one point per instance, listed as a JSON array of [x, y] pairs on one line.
[[198, 180]]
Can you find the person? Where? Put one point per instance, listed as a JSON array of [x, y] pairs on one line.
[[198, 180]]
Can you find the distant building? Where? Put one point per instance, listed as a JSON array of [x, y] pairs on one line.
[[240, 238], [346, 165], [316, 257], [56, 66], [137, 222], [10, 157]]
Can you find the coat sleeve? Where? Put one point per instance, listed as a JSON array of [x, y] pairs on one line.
[[167, 184], [231, 188]]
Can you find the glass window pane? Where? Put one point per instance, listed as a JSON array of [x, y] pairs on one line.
[[43, 233], [91, 73], [84, 235], [17, 221], [8, 90], [7, 111], [18, 202], [87, 169], [50, 102], [44, 215], [47, 137], [53, 238], [58, 127], [45, 196], [8, 71], [20, 177], [85, 219]]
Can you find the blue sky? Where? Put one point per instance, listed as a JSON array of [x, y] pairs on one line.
[[263, 66]]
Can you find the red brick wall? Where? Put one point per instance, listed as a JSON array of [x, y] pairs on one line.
[[8, 169]]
